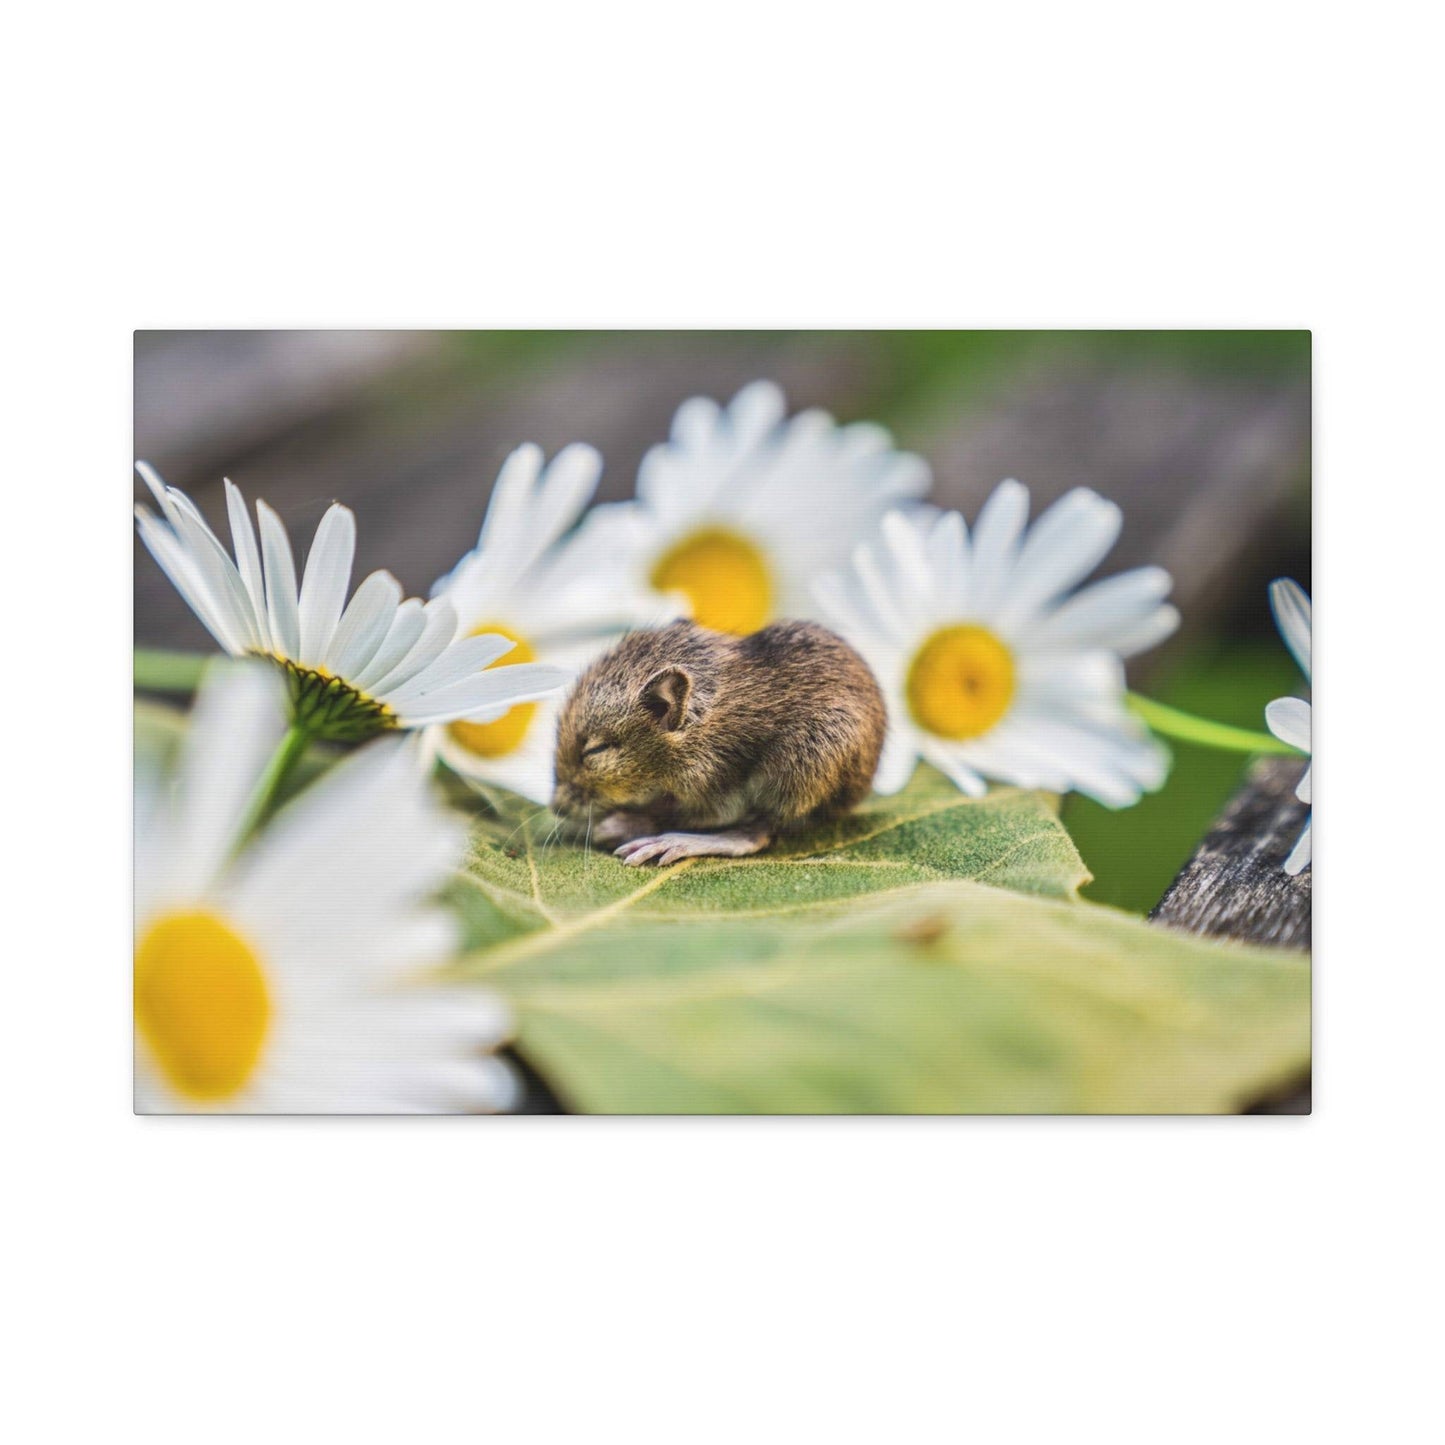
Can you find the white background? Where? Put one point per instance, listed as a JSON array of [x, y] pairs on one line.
[[751, 164]]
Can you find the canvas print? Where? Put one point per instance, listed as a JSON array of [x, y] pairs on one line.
[[722, 722]]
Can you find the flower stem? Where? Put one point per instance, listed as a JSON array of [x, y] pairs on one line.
[[159, 670], [1170, 722], [268, 786]]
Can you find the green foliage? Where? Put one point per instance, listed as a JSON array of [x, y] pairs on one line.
[[1135, 853], [927, 955]]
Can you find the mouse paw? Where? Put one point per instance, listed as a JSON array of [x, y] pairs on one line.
[[665, 848], [621, 827]]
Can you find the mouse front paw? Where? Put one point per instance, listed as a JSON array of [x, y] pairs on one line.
[[621, 827], [665, 848]]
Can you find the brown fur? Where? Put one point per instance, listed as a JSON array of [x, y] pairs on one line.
[[775, 730]]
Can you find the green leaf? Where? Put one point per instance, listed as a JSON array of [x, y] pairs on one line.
[[930, 831], [927, 954]]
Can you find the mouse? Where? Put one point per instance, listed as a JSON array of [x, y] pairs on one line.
[[681, 742]]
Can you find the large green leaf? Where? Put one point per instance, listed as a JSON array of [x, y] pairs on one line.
[[929, 832], [927, 954]]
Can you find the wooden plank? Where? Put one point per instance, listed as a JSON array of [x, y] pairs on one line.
[[202, 397], [418, 466], [1205, 467], [1235, 885]]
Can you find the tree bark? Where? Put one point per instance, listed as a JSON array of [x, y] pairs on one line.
[[1235, 885]]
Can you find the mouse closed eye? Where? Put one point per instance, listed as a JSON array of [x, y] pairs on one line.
[[682, 742]]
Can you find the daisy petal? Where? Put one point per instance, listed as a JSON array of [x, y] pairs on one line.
[[754, 412], [695, 422], [406, 627], [1299, 859], [325, 583], [497, 687], [280, 565], [900, 757], [1147, 632], [532, 507], [527, 769], [158, 489], [995, 542], [948, 759], [173, 559], [563, 490], [1062, 547], [883, 602], [948, 560], [459, 661], [506, 518], [248, 559], [439, 628], [236, 725], [1071, 680], [1096, 616], [909, 547], [223, 582], [1291, 606], [364, 625], [1289, 720]]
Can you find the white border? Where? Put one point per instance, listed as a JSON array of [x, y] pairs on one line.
[[749, 165]]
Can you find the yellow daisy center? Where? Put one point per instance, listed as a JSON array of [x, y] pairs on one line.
[[201, 1003], [497, 739], [724, 576], [961, 682]]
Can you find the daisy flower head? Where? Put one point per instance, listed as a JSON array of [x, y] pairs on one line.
[[353, 668], [991, 663], [524, 582], [739, 511], [1289, 718], [288, 978]]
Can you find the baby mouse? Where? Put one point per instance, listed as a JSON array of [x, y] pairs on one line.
[[682, 742]]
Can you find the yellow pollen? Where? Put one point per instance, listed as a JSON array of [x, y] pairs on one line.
[[961, 682], [724, 576], [497, 739], [201, 1003]]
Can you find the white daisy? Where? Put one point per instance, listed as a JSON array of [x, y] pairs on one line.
[[287, 979], [524, 583], [353, 668], [989, 667], [1289, 718], [738, 513]]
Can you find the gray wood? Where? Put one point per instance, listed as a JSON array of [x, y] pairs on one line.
[[1203, 467], [1235, 886], [417, 463], [203, 397]]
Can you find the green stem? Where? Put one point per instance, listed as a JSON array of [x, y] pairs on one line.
[[268, 786], [158, 670], [1170, 722]]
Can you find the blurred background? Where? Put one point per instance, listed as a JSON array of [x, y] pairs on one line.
[[1203, 437]]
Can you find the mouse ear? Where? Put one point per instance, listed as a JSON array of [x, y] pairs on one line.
[[664, 697]]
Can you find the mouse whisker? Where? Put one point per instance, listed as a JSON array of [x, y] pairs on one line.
[[526, 823]]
